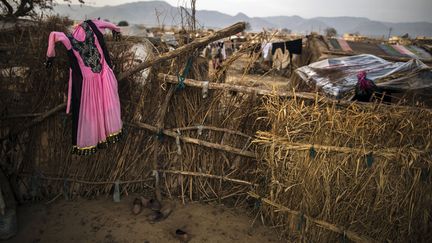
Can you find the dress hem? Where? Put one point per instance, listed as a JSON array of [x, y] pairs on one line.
[[111, 139]]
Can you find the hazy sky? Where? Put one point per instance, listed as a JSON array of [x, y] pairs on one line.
[[383, 10]]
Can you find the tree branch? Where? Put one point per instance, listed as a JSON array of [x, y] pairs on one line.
[[8, 6], [23, 9]]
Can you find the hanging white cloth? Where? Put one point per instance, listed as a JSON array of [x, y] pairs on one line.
[[224, 56], [266, 48]]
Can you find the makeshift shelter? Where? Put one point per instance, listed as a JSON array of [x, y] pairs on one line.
[[337, 77], [314, 168]]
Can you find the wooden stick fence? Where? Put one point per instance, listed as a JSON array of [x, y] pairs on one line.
[[335, 228], [200, 142], [231, 30], [315, 97], [199, 174]]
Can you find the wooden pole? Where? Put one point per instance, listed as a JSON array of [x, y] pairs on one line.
[[199, 174], [335, 228], [218, 129], [160, 123], [283, 94], [185, 139], [197, 43], [35, 121], [193, 4], [233, 87]]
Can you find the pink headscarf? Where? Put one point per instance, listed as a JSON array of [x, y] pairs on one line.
[[363, 82]]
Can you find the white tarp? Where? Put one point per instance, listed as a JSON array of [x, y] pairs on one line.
[[338, 76]]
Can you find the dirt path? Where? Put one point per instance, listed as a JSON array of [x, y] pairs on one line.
[[236, 75], [105, 221]]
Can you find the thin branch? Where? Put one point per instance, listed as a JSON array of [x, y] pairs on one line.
[[326, 225], [200, 142], [8, 6], [199, 174]]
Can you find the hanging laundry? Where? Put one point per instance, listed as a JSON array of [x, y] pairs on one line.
[[223, 50], [93, 93], [280, 60], [266, 47], [256, 48], [295, 46], [218, 54], [278, 45]]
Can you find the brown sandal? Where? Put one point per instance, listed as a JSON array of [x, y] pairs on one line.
[[155, 205], [137, 206], [182, 236], [160, 215]]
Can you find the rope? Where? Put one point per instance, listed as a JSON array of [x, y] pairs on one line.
[[160, 135], [312, 152], [181, 78], [66, 189], [300, 222], [116, 194], [369, 159]]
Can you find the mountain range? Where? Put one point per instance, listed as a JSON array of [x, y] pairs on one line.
[[157, 13]]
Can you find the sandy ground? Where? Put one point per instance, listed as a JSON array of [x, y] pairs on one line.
[[103, 220], [236, 75]]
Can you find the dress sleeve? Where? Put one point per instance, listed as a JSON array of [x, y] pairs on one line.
[[102, 25], [54, 37]]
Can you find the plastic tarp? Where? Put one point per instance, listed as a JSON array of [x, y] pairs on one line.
[[337, 77]]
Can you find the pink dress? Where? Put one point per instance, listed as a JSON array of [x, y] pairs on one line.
[[92, 94]]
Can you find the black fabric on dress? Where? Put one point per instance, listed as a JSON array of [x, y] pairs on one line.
[[87, 49], [77, 79], [101, 40]]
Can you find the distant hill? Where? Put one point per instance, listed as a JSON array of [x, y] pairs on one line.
[[155, 13]]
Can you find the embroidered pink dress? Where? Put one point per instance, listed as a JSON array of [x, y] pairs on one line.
[[92, 94]]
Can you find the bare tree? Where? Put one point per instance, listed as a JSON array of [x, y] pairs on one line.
[[12, 9], [330, 32], [248, 26], [123, 23]]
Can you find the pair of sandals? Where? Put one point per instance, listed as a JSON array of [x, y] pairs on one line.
[[159, 213]]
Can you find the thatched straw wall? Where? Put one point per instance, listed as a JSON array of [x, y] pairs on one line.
[[365, 170]]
